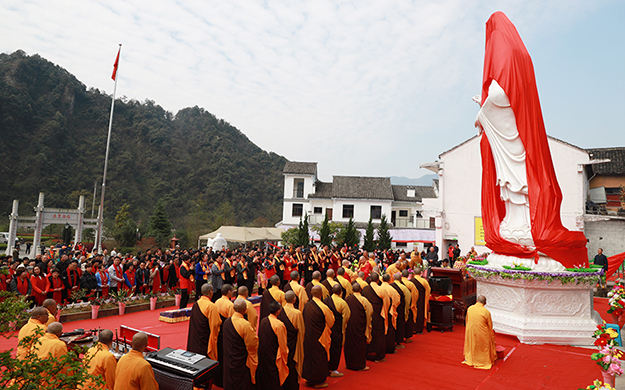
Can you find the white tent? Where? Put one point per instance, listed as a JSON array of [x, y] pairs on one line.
[[245, 234]]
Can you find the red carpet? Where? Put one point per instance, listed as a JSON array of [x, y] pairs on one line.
[[433, 360]]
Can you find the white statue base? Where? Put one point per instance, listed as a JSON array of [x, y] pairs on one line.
[[539, 312]]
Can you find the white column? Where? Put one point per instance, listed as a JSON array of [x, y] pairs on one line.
[[79, 224], [38, 225], [12, 227]]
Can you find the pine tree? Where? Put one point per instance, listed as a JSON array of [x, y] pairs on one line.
[[348, 235], [369, 244], [305, 235], [324, 233], [384, 235], [159, 226]]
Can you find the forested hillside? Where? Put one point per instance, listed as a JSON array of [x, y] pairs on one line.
[[53, 137]]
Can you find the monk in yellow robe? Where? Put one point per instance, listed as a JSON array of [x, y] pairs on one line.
[[251, 314], [102, 363], [318, 320], [345, 282], [294, 323], [479, 338], [300, 292], [53, 348], [38, 318], [52, 308], [133, 372]]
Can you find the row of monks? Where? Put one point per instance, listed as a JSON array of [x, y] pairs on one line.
[[303, 330]]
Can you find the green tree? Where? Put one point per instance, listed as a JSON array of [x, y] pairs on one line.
[[324, 233], [303, 237], [125, 229], [348, 235], [369, 244], [159, 226], [290, 237], [384, 234]]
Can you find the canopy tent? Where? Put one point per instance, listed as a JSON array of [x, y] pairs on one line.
[[397, 235], [245, 234]]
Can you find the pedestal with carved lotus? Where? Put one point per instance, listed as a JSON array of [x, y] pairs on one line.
[[539, 312]]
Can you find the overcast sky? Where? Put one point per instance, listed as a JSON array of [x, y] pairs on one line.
[[368, 88]]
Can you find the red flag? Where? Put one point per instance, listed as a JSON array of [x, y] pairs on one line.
[[614, 262], [116, 64]]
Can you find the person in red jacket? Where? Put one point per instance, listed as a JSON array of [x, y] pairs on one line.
[[55, 286], [21, 284], [38, 282]]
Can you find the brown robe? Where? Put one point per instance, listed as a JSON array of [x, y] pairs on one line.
[[355, 335], [292, 381], [264, 304], [238, 375], [287, 287], [420, 320], [401, 317], [336, 347], [317, 341], [271, 362], [376, 350], [201, 329]]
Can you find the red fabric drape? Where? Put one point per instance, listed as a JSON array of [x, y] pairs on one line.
[[614, 262], [507, 61]]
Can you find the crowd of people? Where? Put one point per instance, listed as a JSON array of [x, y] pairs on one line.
[[318, 304]]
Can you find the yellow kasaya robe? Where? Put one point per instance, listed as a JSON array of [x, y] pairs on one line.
[[277, 295], [297, 319], [395, 301], [425, 285], [28, 330], [325, 291], [479, 338], [347, 286], [133, 372], [362, 283], [252, 316], [103, 364], [300, 291], [414, 293], [392, 270]]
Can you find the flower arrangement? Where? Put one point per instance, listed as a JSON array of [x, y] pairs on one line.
[[478, 271], [605, 336], [121, 295], [598, 385], [608, 358], [518, 267], [616, 299]]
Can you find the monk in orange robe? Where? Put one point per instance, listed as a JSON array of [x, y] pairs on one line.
[[204, 325], [318, 320], [273, 351], [294, 322], [250, 314], [241, 345], [38, 318], [133, 372], [301, 297], [479, 338], [53, 348], [102, 363]]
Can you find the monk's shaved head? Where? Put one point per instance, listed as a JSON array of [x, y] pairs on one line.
[[240, 306], [290, 296], [330, 273], [481, 299], [375, 277], [356, 287], [397, 276], [105, 337], [55, 328], [341, 271], [386, 278], [295, 276], [274, 280], [139, 341], [405, 273], [316, 275], [50, 304], [317, 292], [243, 292], [38, 312], [346, 263], [274, 308], [361, 274], [207, 290], [226, 290], [337, 289]]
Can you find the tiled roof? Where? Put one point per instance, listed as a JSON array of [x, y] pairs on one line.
[[322, 191], [301, 168], [358, 187], [616, 166], [400, 193]]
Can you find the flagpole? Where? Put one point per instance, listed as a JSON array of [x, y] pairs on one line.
[[106, 159]]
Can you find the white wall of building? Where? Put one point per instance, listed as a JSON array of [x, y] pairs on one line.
[[362, 209], [289, 199], [460, 181]]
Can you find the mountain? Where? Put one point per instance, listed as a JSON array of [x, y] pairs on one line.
[[425, 180], [53, 133]]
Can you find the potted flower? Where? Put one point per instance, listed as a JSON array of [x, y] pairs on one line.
[[121, 296], [608, 358], [598, 385], [605, 336], [153, 298], [95, 303], [616, 299]]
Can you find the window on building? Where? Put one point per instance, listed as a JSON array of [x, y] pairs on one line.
[[298, 188], [376, 212], [318, 210], [298, 210], [401, 244], [403, 213], [348, 211]]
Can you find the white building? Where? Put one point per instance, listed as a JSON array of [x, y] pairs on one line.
[[410, 209], [458, 215]]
